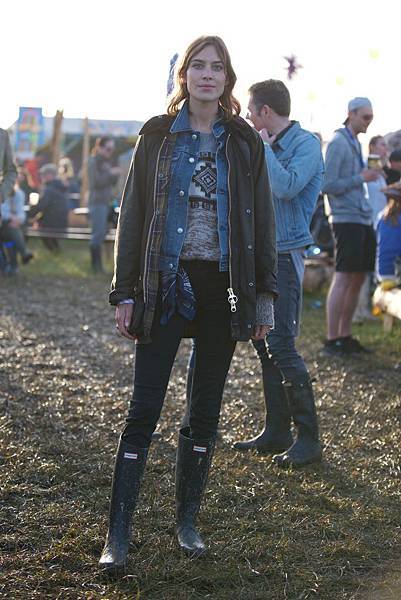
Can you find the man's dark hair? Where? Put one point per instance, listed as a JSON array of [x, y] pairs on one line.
[[395, 155], [274, 93]]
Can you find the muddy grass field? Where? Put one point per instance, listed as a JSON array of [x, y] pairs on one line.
[[326, 532]]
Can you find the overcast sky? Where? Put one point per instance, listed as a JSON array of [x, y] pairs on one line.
[[110, 60]]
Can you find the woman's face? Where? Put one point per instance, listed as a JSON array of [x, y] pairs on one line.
[[107, 150], [205, 76], [380, 148]]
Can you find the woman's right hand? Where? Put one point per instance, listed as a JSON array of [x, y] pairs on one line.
[[123, 319]]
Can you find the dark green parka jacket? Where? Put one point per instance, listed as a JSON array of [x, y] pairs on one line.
[[252, 239]]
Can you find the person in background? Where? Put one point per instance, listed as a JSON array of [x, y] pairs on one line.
[[8, 169], [393, 170], [102, 177], [13, 217], [388, 264], [51, 212], [351, 217], [67, 176], [8, 177], [295, 164], [377, 200]]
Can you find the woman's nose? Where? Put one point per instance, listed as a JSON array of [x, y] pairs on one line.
[[207, 73]]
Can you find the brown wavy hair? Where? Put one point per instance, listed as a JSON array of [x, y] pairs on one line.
[[227, 102]]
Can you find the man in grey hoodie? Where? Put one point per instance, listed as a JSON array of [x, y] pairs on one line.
[[352, 221]]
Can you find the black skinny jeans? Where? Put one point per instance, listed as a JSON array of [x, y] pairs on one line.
[[214, 351]]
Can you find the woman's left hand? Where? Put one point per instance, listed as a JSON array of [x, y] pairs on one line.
[[260, 332]]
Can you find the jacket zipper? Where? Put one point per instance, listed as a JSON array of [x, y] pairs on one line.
[[150, 234], [232, 298]]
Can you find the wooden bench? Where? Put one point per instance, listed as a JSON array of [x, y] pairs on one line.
[[389, 303], [77, 227], [70, 233]]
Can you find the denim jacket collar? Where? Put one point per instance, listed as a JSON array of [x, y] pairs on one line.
[[288, 137], [181, 123]]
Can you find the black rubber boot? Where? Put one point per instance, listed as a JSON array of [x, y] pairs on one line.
[[307, 448], [190, 378], [128, 470], [276, 435], [193, 463]]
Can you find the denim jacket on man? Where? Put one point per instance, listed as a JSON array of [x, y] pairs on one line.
[[296, 167], [184, 160]]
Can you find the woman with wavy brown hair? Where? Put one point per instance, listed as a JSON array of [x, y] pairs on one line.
[[195, 255]]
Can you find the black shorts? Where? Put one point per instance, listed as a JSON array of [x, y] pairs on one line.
[[355, 247]]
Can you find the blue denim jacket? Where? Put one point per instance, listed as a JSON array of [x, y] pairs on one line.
[[296, 167], [184, 159]]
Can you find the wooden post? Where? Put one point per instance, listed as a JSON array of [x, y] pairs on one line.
[[85, 158], [388, 322], [56, 138]]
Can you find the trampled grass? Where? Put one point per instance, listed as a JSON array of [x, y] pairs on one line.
[[326, 532]]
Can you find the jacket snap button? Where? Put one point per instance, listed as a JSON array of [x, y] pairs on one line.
[[251, 284], [191, 160], [194, 136], [180, 230], [249, 247], [182, 193], [249, 326], [248, 211], [171, 266]]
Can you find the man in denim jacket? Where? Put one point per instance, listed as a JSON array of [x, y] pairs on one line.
[[295, 165]]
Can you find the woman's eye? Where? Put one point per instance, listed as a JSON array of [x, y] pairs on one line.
[[218, 67]]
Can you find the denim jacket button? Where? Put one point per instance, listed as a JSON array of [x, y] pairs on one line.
[[191, 160], [182, 193], [248, 211], [251, 284], [249, 247], [180, 230], [171, 266], [194, 136]]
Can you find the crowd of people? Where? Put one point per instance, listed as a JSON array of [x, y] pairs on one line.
[[57, 192], [214, 222], [357, 196]]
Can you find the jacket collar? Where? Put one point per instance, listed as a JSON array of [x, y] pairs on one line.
[[160, 123], [354, 144], [168, 124], [286, 140], [181, 122]]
